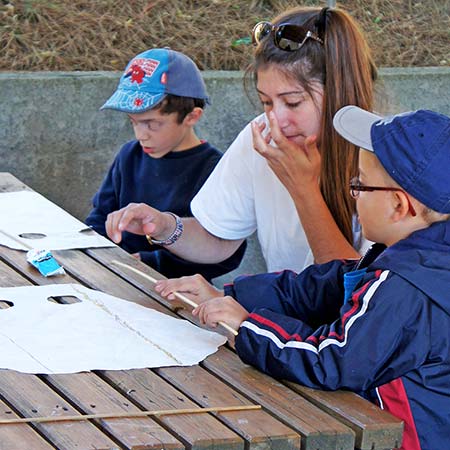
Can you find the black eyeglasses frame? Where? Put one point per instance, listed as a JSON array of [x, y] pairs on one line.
[[356, 187]]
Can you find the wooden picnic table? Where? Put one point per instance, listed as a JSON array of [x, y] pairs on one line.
[[291, 416]]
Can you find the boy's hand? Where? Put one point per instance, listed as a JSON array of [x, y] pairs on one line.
[[221, 309], [138, 218], [196, 286]]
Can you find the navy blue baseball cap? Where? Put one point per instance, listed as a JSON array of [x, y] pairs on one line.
[[153, 74], [413, 147]]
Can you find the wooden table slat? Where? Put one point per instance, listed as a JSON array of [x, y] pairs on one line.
[[93, 395], [19, 436], [259, 429], [374, 428], [318, 429], [150, 392], [33, 398]]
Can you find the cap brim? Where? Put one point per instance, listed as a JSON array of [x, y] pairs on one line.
[[132, 102], [354, 125]]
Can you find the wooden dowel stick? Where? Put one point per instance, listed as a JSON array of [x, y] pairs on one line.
[[163, 412], [182, 297]]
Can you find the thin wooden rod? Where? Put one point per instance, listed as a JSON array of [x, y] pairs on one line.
[[163, 412], [182, 297]]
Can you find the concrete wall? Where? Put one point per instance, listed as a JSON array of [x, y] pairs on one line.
[[54, 138]]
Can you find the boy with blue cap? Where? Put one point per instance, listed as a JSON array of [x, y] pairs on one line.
[[379, 326], [163, 93]]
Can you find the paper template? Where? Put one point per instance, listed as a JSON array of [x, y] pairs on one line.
[[28, 220], [99, 331]]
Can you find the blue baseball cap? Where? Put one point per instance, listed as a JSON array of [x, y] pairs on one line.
[[153, 74], [413, 147]]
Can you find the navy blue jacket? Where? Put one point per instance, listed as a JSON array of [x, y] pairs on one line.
[[167, 184], [391, 337]]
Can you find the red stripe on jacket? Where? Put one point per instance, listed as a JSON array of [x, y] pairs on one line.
[[262, 320]]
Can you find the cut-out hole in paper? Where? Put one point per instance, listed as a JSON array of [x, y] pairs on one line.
[[64, 300], [87, 231], [32, 235], [5, 304]]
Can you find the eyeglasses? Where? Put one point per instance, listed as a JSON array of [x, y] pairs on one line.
[[286, 36], [356, 187]]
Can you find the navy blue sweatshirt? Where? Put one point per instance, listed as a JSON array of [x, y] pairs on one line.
[[167, 184]]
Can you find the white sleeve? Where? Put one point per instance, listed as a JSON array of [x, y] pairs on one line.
[[225, 205]]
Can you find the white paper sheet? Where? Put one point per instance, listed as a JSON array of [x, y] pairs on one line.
[[99, 332], [27, 212]]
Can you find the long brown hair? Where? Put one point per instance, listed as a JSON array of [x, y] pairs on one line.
[[344, 66]]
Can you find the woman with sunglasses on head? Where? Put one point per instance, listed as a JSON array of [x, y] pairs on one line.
[[293, 189]]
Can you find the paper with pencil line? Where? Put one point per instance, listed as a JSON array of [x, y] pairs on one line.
[[97, 332]]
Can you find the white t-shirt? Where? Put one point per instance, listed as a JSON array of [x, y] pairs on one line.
[[242, 195]]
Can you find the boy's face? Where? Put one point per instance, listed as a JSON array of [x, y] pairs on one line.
[[159, 133], [374, 207]]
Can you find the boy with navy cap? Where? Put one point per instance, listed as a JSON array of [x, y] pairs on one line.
[[163, 94], [379, 326]]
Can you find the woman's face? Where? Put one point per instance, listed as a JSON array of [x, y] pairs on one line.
[[298, 114]]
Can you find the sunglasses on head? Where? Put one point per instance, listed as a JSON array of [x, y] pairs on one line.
[[286, 36]]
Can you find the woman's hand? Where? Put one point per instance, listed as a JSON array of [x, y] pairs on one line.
[[196, 286], [139, 218], [298, 168]]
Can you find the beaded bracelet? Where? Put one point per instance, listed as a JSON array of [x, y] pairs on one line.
[[173, 237]]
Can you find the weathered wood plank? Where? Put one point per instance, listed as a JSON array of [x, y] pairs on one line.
[[373, 427], [318, 429], [198, 431], [92, 395], [260, 430], [18, 437], [8, 276], [31, 397]]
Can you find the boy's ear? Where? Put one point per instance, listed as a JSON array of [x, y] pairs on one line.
[[193, 117], [401, 205]]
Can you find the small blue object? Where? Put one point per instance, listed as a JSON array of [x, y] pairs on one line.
[[44, 261], [351, 279]]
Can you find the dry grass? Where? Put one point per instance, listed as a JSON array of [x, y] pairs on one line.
[[105, 34]]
